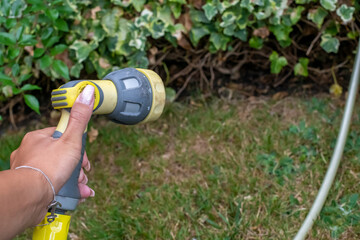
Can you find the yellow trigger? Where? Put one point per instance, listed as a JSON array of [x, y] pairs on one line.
[[65, 97]]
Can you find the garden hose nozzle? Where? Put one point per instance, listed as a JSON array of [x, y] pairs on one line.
[[127, 96]]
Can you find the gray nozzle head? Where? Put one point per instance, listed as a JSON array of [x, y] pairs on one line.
[[134, 96]]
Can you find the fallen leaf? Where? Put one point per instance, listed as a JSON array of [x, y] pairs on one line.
[[39, 44], [94, 11], [73, 236], [154, 50], [262, 32], [64, 56], [104, 63], [152, 53], [30, 50], [280, 95], [182, 41], [185, 20], [93, 133], [197, 3], [7, 70]]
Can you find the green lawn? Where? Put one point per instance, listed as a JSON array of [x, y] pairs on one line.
[[240, 170]]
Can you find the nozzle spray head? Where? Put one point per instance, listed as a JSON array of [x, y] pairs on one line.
[[127, 96]]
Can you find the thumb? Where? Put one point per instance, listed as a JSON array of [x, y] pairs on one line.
[[80, 115]]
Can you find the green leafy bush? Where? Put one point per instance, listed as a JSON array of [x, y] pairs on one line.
[[65, 39]]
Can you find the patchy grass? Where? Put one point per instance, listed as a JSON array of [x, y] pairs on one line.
[[240, 170]]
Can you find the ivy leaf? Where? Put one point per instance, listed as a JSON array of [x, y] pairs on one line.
[[29, 87], [17, 7], [176, 10], [76, 69], [15, 69], [329, 4], [228, 18], [197, 33], [10, 23], [139, 59], [5, 79], [256, 42], [352, 35], [82, 49], [13, 52], [247, 4], [317, 16], [7, 38], [45, 62], [345, 13], [110, 22], [198, 16], [61, 25], [329, 43], [53, 14], [61, 68], [333, 28], [46, 33], [138, 4], [241, 34], [302, 1], [51, 41], [219, 41], [24, 77], [27, 40], [58, 49], [282, 33], [157, 29], [32, 102], [38, 52], [210, 10], [277, 63], [170, 94], [295, 15], [301, 68]]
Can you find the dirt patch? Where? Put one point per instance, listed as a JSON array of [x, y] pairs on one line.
[[201, 145]]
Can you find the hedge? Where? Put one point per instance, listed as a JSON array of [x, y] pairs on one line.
[[50, 42]]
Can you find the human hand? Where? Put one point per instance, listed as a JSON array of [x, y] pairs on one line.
[[57, 158]]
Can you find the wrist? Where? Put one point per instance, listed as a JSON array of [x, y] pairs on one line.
[[40, 188]]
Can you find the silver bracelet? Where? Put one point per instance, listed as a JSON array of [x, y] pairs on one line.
[[47, 178]]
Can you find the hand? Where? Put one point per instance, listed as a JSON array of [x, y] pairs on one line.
[[57, 158]]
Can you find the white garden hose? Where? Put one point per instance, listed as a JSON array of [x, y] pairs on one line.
[[336, 157]]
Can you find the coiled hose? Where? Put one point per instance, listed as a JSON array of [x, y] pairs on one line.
[[336, 157]]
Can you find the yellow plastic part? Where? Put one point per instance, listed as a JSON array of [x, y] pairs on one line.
[[110, 97], [63, 122], [157, 86], [57, 230], [73, 92]]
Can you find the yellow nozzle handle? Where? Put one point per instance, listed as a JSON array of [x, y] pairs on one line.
[[65, 97], [57, 230]]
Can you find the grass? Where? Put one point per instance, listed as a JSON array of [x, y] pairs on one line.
[[219, 170]]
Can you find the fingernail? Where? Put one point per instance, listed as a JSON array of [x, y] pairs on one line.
[[88, 167], [86, 179], [92, 193], [87, 95], [82, 200]]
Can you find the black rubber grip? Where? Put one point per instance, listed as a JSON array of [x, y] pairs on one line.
[[69, 194]]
